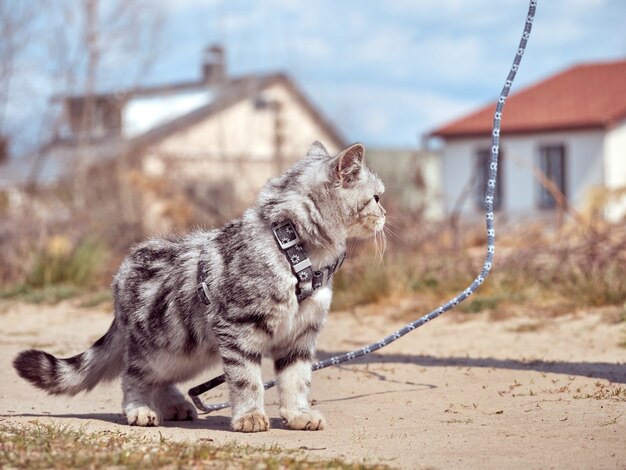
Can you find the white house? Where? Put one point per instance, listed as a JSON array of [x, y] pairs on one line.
[[216, 140], [570, 127]]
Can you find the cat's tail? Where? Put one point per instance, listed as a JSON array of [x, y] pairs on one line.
[[101, 362]]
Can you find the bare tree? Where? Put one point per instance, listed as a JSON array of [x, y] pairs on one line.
[[17, 25], [100, 46], [86, 48]]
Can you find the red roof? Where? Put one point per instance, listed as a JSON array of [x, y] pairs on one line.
[[587, 96]]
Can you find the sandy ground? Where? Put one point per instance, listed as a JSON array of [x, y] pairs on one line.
[[457, 393]]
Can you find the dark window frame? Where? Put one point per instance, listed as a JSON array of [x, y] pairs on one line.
[[552, 162]]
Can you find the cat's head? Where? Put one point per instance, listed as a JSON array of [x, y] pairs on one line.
[[328, 196], [357, 191]]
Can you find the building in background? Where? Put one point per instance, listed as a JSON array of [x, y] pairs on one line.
[[569, 129], [412, 182], [204, 146]]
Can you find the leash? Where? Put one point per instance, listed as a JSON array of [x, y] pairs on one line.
[[195, 392]]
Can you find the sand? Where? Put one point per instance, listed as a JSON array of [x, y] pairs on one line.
[[463, 391]]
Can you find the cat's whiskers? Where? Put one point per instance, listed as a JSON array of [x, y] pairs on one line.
[[391, 221], [380, 248], [392, 233]]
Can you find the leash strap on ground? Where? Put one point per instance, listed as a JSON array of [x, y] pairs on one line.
[[491, 236]]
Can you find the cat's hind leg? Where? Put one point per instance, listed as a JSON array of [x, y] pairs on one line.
[[172, 404], [138, 404]]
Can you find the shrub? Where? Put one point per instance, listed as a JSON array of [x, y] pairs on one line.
[[61, 263]]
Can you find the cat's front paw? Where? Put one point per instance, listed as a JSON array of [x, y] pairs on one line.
[[142, 416], [251, 422], [310, 420]]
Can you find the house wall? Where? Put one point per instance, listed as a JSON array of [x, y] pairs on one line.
[[615, 169], [235, 151], [243, 131], [584, 169]]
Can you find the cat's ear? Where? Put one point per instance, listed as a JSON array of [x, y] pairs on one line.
[[347, 166], [317, 149]]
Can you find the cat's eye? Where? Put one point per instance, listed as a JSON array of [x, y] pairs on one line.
[[376, 197]]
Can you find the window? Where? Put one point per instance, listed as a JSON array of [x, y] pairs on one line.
[[552, 165], [481, 172]]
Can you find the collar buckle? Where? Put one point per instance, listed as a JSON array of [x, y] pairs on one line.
[[286, 235], [308, 280]]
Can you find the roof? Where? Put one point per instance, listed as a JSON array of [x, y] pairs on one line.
[[226, 94], [586, 96], [140, 91], [234, 91]]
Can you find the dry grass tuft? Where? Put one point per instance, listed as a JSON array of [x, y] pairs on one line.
[[39, 446], [59, 270], [542, 272]]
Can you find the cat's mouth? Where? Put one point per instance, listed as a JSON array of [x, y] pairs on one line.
[[379, 225]]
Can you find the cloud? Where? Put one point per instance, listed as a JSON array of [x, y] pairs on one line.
[[173, 5], [379, 115], [239, 22], [456, 12], [311, 48]]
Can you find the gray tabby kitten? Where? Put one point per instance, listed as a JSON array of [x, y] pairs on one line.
[[163, 334]]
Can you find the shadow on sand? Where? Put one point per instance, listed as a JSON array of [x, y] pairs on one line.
[[614, 372], [204, 422]]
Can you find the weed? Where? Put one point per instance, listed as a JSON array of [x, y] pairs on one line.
[[596, 286], [604, 391], [47, 446], [50, 294], [59, 271], [359, 286], [60, 263]]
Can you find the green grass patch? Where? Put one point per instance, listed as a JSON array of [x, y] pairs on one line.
[[49, 295], [39, 446], [60, 271], [60, 263]]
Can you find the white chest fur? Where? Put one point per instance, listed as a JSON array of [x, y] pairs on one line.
[[311, 311]]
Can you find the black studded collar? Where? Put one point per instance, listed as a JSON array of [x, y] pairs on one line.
[[308, 280]]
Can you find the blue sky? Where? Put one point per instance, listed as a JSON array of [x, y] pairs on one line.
[[388, 71], [385, 72]]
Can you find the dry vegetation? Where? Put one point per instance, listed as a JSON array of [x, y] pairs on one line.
[[37, 446], [537, 270]]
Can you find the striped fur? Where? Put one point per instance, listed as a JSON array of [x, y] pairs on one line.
[[162, 334], [101, 362]]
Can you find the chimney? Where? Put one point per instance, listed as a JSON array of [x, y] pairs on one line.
[[213, 65], [4, 149]]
